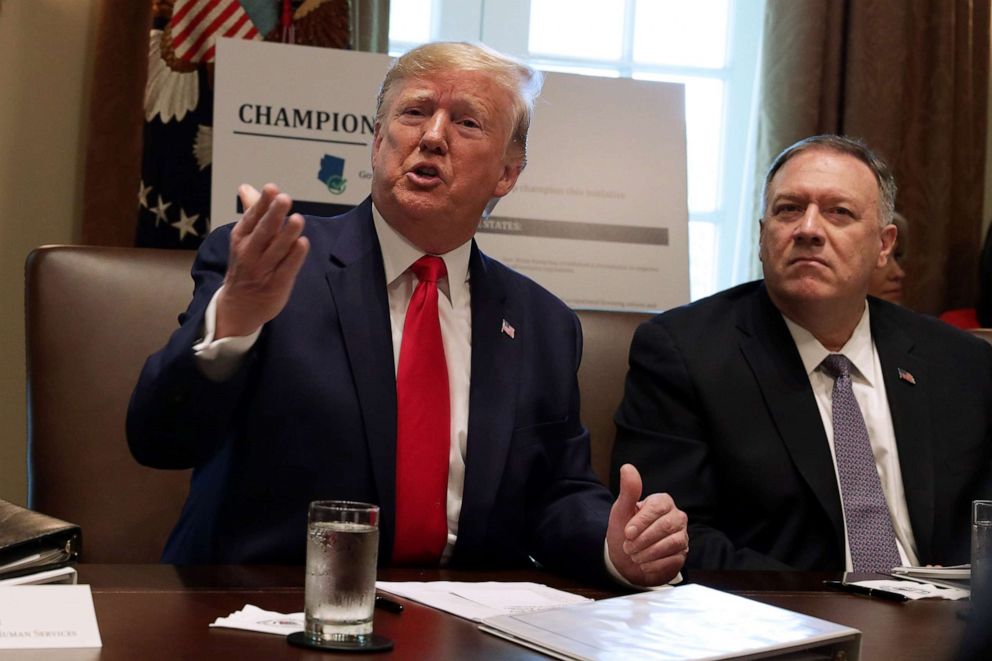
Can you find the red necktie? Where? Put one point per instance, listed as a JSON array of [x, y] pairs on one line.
[[423, 423]]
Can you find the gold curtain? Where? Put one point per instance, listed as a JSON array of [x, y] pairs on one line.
[[116, 118], [370, 25], [113, 147], [911, 79]]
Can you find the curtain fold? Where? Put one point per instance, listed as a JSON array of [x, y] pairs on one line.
[[911, 79], [370, 25], [116, 118]]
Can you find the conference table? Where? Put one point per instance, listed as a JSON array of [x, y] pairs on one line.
[[149, 612]]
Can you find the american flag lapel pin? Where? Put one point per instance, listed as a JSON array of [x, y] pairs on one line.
[[907, 377], [507, 329]]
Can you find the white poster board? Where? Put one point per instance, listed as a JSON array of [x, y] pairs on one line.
[[599, 216]]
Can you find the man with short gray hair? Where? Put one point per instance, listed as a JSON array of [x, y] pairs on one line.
[[800, 423]]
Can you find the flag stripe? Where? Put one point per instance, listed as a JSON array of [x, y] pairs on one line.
[[196, 24], [233, 30], [206, 52], [182, 29], [206, 35], [184, 7], [243, 29]]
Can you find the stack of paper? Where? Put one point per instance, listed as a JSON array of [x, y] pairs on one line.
[[954, 576], [62, 575], [475, 601], [690, 622]]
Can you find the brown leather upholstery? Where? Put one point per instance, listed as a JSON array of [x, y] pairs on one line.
[[606, 344], [93, 316]]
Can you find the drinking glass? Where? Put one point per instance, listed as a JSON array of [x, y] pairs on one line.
[[981, 549], [342, 551]]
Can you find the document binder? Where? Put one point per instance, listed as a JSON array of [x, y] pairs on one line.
[[31, 541], [690, 622]]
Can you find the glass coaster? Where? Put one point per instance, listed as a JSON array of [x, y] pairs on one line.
[[372, 643]]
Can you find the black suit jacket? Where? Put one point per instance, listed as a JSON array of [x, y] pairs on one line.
[[311, 414], [719, 412]]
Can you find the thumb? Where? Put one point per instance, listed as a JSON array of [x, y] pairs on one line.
[[630, 488]]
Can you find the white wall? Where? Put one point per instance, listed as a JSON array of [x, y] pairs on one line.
[[46, 58]]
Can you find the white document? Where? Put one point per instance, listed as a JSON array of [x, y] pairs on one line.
[[687, 623], [912, 589], [953, 576], [62, 575], [950, 573], [253, 618], [475, 601], [47, 616]]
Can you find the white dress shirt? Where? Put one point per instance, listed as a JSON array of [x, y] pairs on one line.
[[455, 312], [219, 359], [869, 391]]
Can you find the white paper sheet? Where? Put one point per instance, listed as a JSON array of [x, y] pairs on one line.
[[62, 575], [47, 616], [916, 589], [253, 618], [474, 601]]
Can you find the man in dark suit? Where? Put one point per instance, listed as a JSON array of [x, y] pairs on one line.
[[291, 378], [733, 405]]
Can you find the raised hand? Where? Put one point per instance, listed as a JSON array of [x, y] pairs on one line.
[[267, 251]]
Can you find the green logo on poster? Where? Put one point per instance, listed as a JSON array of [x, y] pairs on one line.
[[336, 184]]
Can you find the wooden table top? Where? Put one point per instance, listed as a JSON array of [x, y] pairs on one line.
[[150, 612]]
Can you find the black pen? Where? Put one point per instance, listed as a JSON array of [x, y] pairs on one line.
[[865, 590], [388, 605]]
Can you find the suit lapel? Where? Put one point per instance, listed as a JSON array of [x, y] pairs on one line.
[[358, 286], [771, 353], [492, 396], [910, 409]]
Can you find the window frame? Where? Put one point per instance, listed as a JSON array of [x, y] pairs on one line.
[[505, 26]]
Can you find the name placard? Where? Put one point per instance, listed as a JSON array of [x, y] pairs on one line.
[[47, 616]]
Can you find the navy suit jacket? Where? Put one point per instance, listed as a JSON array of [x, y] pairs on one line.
[[311, 414], [719, 412]]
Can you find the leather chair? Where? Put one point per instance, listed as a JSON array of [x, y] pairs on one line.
[[93, 316], [605, 350]]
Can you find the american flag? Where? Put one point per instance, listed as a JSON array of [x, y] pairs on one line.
[[907, 377], [196, 24]]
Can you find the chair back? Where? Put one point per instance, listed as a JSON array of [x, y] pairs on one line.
[[93, 316], [605, 350]]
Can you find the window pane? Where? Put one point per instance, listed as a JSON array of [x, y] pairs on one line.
[[704, 138], [681, 32], [564, 28], [584, 71], [410, 20], [703, 255]]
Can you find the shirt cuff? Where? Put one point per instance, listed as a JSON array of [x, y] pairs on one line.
[[219, 359], [623, 581]]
